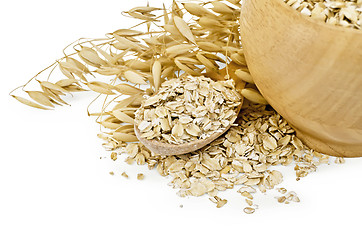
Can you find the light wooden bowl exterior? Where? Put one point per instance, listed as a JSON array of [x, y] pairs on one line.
[[309, 71]]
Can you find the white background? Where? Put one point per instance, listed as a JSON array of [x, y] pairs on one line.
[[53, 184]]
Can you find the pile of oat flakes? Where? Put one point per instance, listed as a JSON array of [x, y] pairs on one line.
[[346, 13], [187, 109], [239, 159]]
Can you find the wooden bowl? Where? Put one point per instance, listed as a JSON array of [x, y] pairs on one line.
[[309, 71]]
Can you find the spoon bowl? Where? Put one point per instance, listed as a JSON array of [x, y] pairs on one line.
[[167, 149]]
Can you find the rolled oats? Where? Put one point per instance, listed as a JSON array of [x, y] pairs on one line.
[[140, 176], [187, 109], [124, 174], [249, 210], [242, 156], [346, 13]]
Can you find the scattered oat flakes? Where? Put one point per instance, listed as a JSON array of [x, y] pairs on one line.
[[247, 189], [114, 156], [237, 158], [221, 203], [111, 173], [218, 201], [282, 190], [247, 195], [140, 176], [249, 202], [340, 160], [292, 196], [124, 174], [249, 210], [345, 13], [281, 199], [287, 197]]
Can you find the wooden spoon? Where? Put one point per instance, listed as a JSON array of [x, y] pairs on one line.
[[177, 149], [163, 148]]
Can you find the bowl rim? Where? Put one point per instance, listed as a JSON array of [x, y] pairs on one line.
[[315, 21]]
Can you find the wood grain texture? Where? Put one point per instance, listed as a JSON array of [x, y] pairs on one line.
[[309, 71]]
